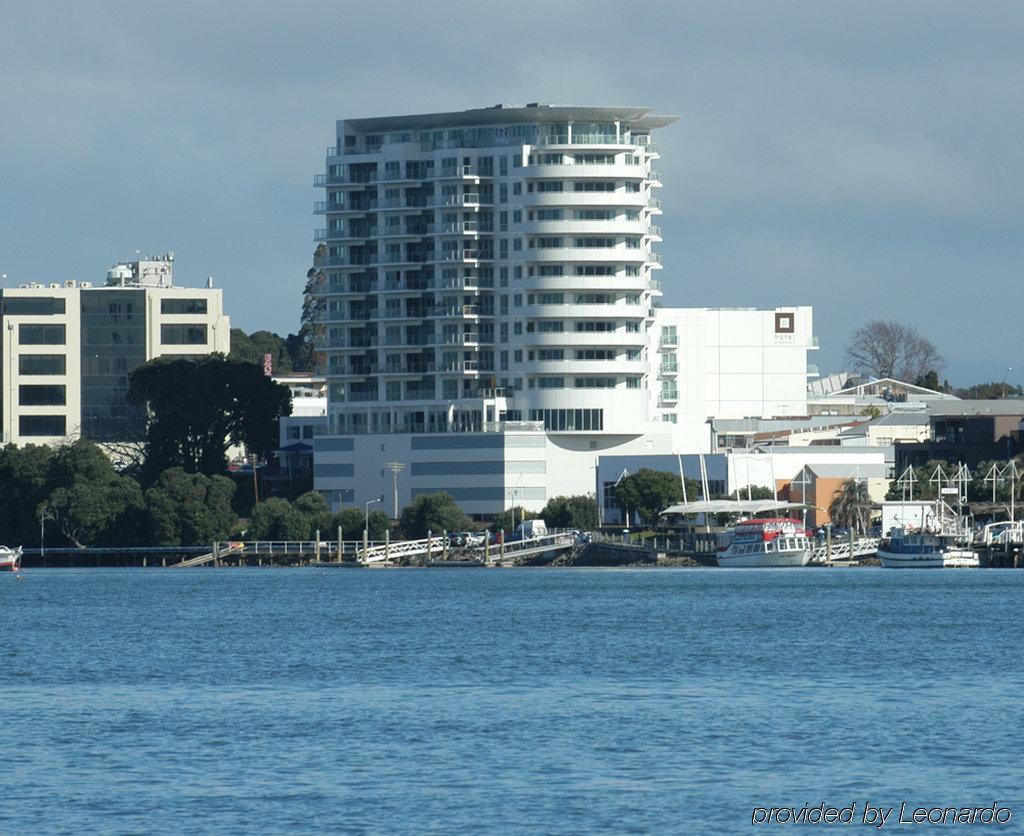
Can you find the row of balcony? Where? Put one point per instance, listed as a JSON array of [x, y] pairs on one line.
[[370, 177], [333, 151], [370, 259], [323, 207], [405, 368]]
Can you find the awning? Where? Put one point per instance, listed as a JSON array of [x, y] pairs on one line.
[[733, 506]]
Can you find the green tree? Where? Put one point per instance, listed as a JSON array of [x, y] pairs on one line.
[[508, 519], [435, 512], [317, 512], [251, 348], [989, 391], [851, 506], [25, 483], [352, 521], [277, 519], [755, 492], [189, 508], [648, 492], [91, 504], [571, 512], [197, 407]]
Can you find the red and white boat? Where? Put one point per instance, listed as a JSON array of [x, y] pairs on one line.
[[766, 543], [10, 559]]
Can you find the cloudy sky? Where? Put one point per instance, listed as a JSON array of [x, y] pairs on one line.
[[864, 157]]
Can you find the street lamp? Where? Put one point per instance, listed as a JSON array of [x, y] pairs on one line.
[[366, 526], [1006, 374]]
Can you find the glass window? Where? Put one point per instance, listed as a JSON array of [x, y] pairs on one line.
[[33, 305], [182, 306], [41, 334], [42, 395], [42, 425], [42, 364], [183, 334]]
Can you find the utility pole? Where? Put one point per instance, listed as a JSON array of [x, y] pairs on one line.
[[395, 468]]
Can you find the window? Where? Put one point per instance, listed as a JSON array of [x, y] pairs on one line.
[[546, 243], [41, 335], [593, 186], [595, 325], [595, 383], [183, 334], [549, 214], [594, 159], [595, 354], [42, 425], [592, 243], [183, 306], [547, 186], [595, 270], [293, 433], [33, 305], [42, 364], [550, 298], [42, 395], [550, 382], [551, 354], [594, 215]]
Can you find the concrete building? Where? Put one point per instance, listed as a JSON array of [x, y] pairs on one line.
[[491, 315], [68, 348]]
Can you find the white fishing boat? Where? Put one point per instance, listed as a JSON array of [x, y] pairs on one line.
[[766, 543], [10, 559], [943, 541]]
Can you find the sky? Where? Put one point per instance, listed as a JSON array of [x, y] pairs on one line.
[[864, 158]]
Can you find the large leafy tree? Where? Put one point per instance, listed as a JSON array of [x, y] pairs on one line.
[[25, 483], [251, 348], [648, 493], [197, 407], [571, 512], [851, 505], [434, 512], [352, 520], [91, 504], [189, 508], [278, 519]]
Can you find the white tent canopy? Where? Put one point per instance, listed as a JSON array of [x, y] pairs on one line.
[[733, 506]]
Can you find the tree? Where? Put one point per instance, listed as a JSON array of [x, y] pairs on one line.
[[435, 512], [317, 513], [508, 519], [197, 407], [187, 509], [251, 348], [988, 391], [648, 493], [851, 505], [885, 348], [352, 521], [277, 519], [755, 492], [24, 486], [91, 504], [571, 512]]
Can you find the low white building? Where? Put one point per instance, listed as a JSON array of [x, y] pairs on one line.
[[69, 347]]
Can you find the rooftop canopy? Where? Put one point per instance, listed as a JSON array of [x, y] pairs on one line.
[[635, 118], [733, 506]]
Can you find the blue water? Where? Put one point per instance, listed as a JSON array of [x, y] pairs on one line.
[[267, 700]]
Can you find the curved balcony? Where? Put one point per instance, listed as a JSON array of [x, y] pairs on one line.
[[619, 226], [570, 199], [584, 171], [581, 339], [603, 255], [571, 311], [585, 283], [608, 368]]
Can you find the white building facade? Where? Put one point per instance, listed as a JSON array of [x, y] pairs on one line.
[[491, 316], [68, 349]]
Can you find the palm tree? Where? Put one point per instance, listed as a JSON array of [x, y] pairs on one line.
[[851, 506]]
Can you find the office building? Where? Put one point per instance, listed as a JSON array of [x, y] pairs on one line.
[[68, 348]]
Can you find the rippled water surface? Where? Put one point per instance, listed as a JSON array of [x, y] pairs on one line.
[[267, 700]]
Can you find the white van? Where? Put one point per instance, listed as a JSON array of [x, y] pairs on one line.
[[530, 530]]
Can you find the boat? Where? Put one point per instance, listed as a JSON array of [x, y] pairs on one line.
[[943, 541], [766, 543], [10, 559]]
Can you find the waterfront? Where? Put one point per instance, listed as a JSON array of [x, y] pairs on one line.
[[519, 700]]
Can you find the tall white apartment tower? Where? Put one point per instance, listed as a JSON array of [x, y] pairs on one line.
[[491, 265]]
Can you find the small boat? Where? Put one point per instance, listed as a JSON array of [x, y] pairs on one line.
[[10, 559], [943, 542], [766, 543], [924, 549]]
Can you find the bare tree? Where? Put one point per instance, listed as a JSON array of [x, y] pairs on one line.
[[884, 348]]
